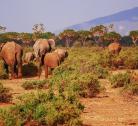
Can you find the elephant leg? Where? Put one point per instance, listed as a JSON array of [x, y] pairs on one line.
[[51, 70], [11, 72], [6, 67], [39, 69], [19, 63], [15, 71], [46, 71]]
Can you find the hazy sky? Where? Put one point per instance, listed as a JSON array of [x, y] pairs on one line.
[[21, 15]]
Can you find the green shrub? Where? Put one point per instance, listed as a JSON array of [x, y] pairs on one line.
[[43, 110], [131, 89], [34, 84], [89, 85], [129, 58], [85, 85], [3, 74], [100, 72], [5, 95], [131, 62], [120, 79], [29, 70]]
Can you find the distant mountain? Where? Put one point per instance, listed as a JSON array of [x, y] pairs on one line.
[[123, 21]]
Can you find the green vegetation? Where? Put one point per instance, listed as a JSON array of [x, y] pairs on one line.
[[43, 109], [5, 95], [126, 80], [120, 79], [131, 89], [3, 74], [34, 84]]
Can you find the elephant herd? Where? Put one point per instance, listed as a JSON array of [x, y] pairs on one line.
[[44, 53]]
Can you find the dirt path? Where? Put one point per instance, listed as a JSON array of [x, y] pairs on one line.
[[110, 109]]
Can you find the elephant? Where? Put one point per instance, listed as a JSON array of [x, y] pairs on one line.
[[12, 53], [29, 56], [62, 54], [114, 48], [41, 47], [51, 60]]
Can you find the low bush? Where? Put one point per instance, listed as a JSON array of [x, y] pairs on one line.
[[84, 85], [29, 70], [131, 62], [3, 74], [120, 79], [129, 58], [100, 72], [5, 95], [88, 85], [35, 84], [131, 89], [43, 109]]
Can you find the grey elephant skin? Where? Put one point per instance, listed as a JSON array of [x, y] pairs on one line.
[[51, 60], [11, 53], [54, 59], [41, 47], [62, 54], [29, 56]]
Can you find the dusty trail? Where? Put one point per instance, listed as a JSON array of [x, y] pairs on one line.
[[107, 109], [110, 109]]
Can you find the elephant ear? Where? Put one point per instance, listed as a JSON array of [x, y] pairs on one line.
[[51, 43], [1, 46]]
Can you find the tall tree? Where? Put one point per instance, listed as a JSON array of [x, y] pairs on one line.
[[112, 37], [68, 36], [83, 36], [134, 36], [98, 30], [98, 33], [38, 29]]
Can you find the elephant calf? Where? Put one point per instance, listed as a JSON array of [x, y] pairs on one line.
[[62, 54], [11, 53], [114, 48], [29, 56], [51, 60], [41, 47]]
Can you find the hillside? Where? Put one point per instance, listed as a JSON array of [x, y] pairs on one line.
[[124, 21]]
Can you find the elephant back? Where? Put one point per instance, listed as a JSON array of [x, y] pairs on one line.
[[40, 47], [8, 52], [52, 59], [29, 56], [62, 53], [52, 43], [114, 47]]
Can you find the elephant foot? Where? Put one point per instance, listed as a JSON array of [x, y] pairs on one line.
[[12, 76], [19, 75]]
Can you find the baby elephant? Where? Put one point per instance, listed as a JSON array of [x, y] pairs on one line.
[[29, 56], [51, 60], [62, 54]]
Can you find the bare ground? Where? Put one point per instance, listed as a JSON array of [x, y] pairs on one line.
[[111, 108], [107, 109]]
